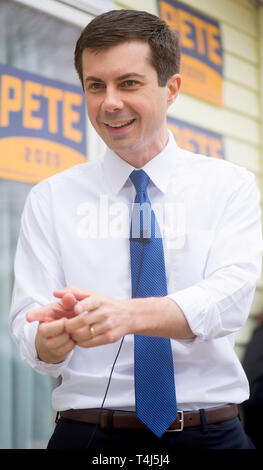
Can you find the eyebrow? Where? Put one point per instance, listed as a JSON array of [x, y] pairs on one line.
[[90, 78]]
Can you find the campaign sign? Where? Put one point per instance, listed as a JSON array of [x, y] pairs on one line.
[[201, 46], [195, 139], [42, 126]]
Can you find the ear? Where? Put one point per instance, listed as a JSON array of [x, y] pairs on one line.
[[173, 86]]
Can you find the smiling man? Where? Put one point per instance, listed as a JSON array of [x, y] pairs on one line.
[[140, 327], [128, 109]]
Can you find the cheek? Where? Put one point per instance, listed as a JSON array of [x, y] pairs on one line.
[[90, 114], [156, 113], [154, 106], [91, 109]]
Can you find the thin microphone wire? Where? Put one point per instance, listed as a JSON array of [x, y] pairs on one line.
[[118, 352], [105, 395]]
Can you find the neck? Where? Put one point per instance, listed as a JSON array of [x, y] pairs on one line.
[[139, 157]]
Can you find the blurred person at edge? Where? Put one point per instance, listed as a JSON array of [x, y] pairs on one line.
[[252, 408], [72, 305]]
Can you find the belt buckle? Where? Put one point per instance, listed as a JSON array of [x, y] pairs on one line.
[[181, 421]]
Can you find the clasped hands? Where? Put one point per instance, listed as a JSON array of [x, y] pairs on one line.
[[89, 319], [82, 318]]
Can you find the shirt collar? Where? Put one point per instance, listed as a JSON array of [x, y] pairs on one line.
[[117, 171]]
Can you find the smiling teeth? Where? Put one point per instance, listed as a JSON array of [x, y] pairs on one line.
[[121, 124]]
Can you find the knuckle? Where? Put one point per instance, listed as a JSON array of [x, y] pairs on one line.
[[75, 338], [84, 344], [70, 287], [110, 337], [50, 344], [109, 323], [42, 329], [85, 320]]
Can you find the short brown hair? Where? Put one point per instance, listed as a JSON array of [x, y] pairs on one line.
[[118, 26]]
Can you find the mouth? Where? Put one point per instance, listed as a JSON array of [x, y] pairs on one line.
[[116, 126]]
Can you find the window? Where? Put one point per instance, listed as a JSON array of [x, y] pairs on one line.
[[38, 43]]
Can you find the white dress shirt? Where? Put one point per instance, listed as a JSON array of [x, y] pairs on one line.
[[75, 231]]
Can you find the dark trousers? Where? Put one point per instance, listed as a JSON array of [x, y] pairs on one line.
[[70, 434]]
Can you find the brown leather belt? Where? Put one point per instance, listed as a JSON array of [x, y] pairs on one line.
[[128, 420]]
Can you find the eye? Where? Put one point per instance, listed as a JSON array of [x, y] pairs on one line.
[[130, 83], [95, 86]]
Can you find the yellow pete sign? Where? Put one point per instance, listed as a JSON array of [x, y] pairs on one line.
[[195, 139], [201, 46], [42, 126]]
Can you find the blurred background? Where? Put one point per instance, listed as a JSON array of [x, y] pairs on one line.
[[43, 130]]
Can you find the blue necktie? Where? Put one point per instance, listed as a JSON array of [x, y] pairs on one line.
[[153, 363]]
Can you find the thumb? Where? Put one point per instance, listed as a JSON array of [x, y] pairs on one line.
[[68, 301]]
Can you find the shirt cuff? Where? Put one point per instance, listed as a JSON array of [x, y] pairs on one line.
[[199, 311], [29, 353]]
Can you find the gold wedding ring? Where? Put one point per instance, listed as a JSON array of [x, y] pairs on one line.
[[92, 331]]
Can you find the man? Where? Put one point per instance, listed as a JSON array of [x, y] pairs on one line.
[[252, 409], [138, 307]]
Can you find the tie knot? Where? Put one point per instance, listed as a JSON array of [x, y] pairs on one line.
[[140, 180]]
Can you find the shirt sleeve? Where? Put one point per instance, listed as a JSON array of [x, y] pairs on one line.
[[219, 304], [38, 273]]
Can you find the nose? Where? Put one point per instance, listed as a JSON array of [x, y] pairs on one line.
[[112, 100]]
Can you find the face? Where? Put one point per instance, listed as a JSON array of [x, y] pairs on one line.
[[125, 104]]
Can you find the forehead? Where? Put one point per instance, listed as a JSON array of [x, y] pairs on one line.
[[130, 56]]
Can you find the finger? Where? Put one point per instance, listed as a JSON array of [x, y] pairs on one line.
[[46, 313], [51, 329], [85, 320], [66, 348], [65, 308], [85, 334], [58, 349], [98, 340], [88, 304], [68, 302], [60, 342], [94, 334], [76, 323], [78, 292]]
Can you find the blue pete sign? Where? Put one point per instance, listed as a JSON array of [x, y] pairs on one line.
[[42, 125], [202, 52], [196, 139]]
